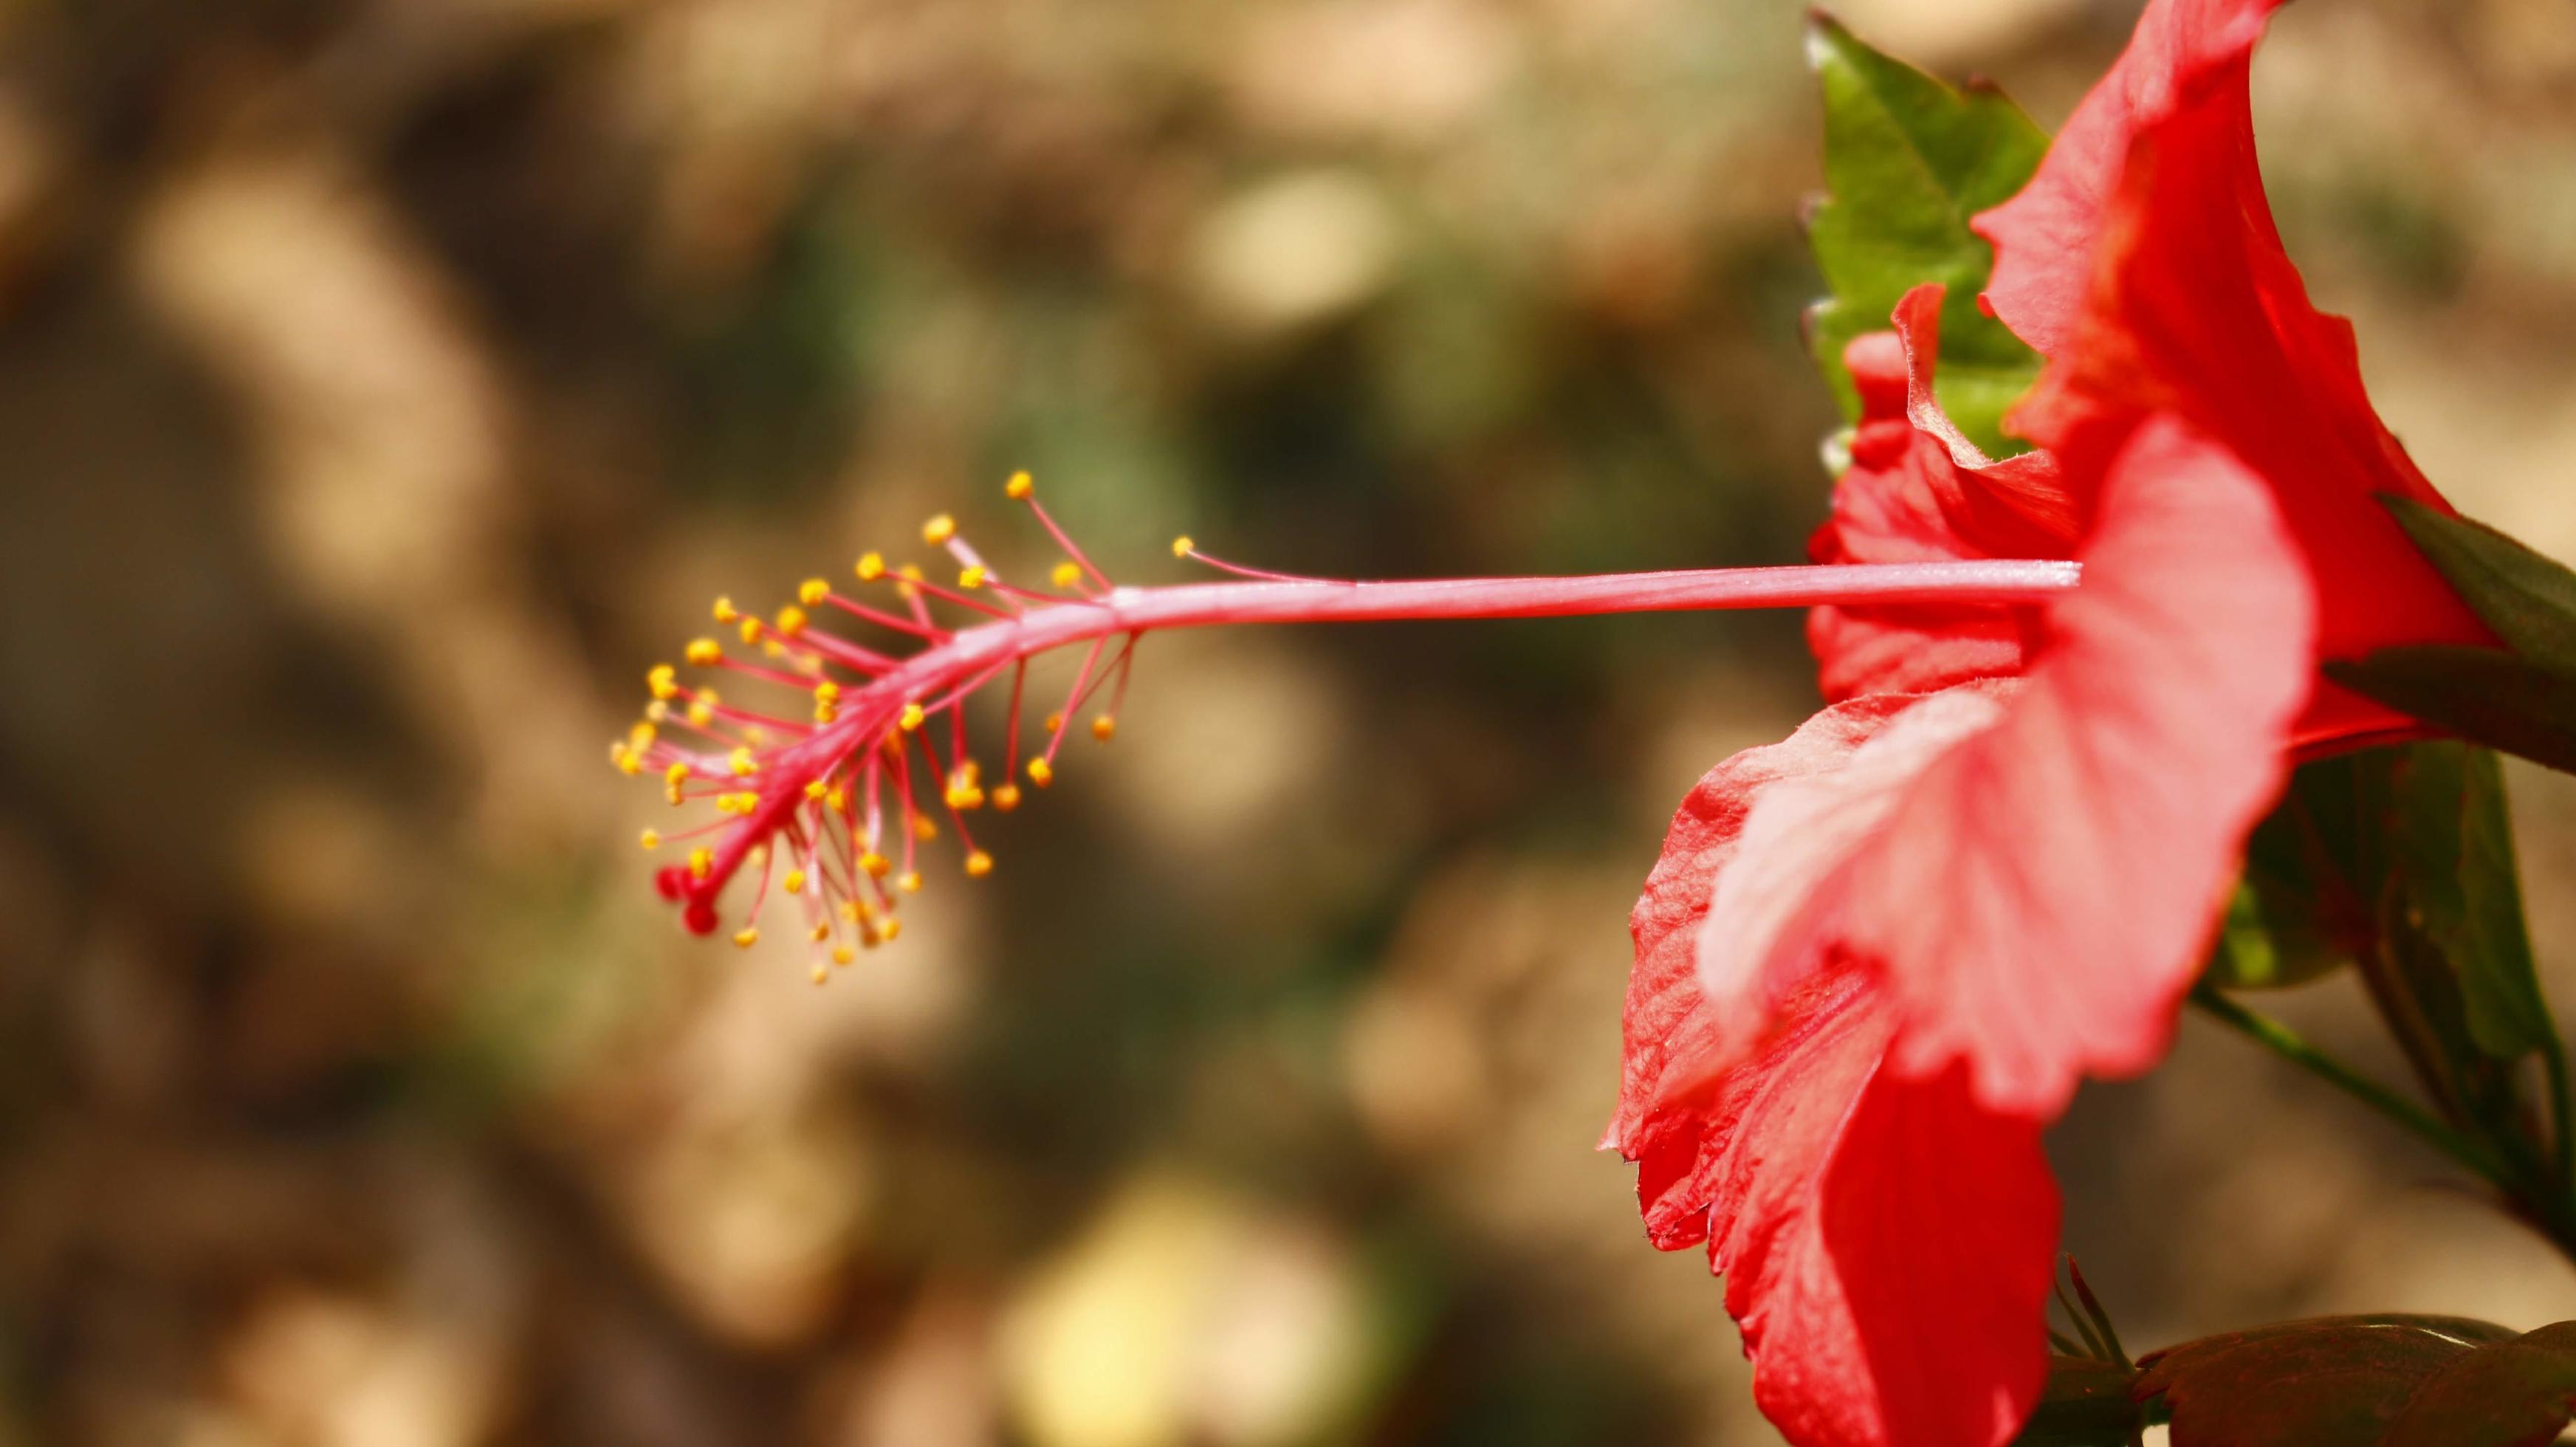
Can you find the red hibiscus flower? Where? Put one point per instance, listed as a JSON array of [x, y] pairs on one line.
[[1876, 958]]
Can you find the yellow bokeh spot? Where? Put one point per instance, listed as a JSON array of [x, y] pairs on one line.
[[642, 735], [1054, 721], [870, 567], [923, 829], [910, 883], [939, 530], [979, 864], [1020, 485], [843, 954], [1041, 773], [1182, 547], [819, 933], [891, 927], [1065, 575]]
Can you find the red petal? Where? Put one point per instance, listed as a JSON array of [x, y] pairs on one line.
[[2045, 236], [2036, 872], [1918, 490], [2143, 260], [1886, 1242]]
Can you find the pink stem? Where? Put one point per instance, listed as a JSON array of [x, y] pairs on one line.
[[991, 646]]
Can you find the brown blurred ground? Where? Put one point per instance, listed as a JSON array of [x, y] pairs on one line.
[[384, 384]]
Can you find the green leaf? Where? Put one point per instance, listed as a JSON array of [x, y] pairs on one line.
[[2526, 597], [1908, 161], [2086, 1403], [2455, 855], [2484, 695], [2331, 1382], [2300, 911]]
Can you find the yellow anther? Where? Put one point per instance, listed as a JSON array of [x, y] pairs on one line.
[[871, 566], [909, 572], [1020, 485], [1065, 575], [652, 838], [819, 975], [812, 592], [838, 800], [826, 713], [642, 735], [1041, 773], [758, 856], [747, 936], [877, 865], [791, 620], [725, 610], [910, 718], [819, 933], [705, 653], [827, 692], [702, 862], [663, 680], [754, 734], [1104, 728], [1182, 547], [772, 648], [843, 954], [910, 883], [740, 762], [1006, 797], [891, 926], [1054, 721], [702, 710], [817, 789], [676, 775], [857, 911], [794, 883], [923, 829], [965, 796], [750, 631], [979, 864], [628, 760], [971, 578], [939, 530], [657, 711]]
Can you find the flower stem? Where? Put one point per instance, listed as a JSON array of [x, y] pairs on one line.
[[2281, 1040]]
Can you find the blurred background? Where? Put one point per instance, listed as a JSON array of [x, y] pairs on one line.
[[385, 384]]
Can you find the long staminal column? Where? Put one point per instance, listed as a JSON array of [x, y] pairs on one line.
[[810, 791]]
